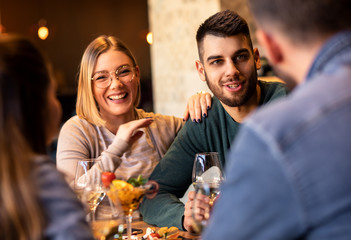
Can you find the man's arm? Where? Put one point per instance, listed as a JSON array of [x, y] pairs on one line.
[[257, 200], [173, 174]]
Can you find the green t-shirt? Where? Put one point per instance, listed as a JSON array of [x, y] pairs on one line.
[[214, 134]]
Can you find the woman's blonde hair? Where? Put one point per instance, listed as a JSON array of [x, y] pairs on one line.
[[86, 106]]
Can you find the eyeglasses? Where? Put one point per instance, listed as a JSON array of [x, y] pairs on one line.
[[124, 74]]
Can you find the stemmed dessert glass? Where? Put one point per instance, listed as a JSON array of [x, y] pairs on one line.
[[88, 185], [206, 177], [129, 197]]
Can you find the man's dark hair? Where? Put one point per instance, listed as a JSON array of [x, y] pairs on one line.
[[222, 24], [303, 20]]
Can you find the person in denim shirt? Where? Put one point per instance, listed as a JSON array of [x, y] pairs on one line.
[[289, 173]]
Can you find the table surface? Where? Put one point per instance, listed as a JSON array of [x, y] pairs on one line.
[[106, 225]]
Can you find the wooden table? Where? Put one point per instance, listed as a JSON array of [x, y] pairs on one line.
[[106, 225]]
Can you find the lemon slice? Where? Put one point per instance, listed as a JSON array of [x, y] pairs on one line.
[[120, 184]]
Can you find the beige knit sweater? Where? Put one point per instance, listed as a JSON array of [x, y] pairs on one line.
[[79, 139]]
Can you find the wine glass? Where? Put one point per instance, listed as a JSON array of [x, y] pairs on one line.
[[129, 197], [206, 177], [201, 210], [105, 229], [207, 168], [109, 220], [88, 185]]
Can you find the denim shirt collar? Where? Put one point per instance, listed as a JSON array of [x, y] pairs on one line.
[[329, 51]]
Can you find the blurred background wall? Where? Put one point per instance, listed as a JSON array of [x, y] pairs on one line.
[[174, 51], [168, 74], [72, 26]]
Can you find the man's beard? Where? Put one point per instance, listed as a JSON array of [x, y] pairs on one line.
[[238, 100]]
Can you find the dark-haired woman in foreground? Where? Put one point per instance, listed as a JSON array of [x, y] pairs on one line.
[[35, 201]]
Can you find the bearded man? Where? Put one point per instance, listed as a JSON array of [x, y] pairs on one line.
[[228, 63]]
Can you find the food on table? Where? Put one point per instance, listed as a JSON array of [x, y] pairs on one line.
[[126, 194], [107, 177], [161, 233], [136, 182]]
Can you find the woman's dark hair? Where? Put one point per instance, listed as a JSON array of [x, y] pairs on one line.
[[24, 86], [24, 83]]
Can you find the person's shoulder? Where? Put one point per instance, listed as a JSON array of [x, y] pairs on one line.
[[272, 90], [45, 170], [49, 180], [272, 85], [283, 116], [216, 112], [270, 113], [216, 103], [76, 122], [311, 104], [213, 119], [77, 129], [216, 107]]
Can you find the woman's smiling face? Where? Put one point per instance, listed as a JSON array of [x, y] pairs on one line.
[[118, 98]]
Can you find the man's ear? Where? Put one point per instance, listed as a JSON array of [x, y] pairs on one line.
[[200, 70], [256, 54], [272, 47]]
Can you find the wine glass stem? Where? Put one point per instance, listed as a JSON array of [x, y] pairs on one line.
[[129, 226], [92, 215]]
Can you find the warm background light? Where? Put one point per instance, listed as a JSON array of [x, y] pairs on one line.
[[43, 33], [2, 29], [149, 38]]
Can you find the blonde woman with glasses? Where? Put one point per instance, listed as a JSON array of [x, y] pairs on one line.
[[108, 125]]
